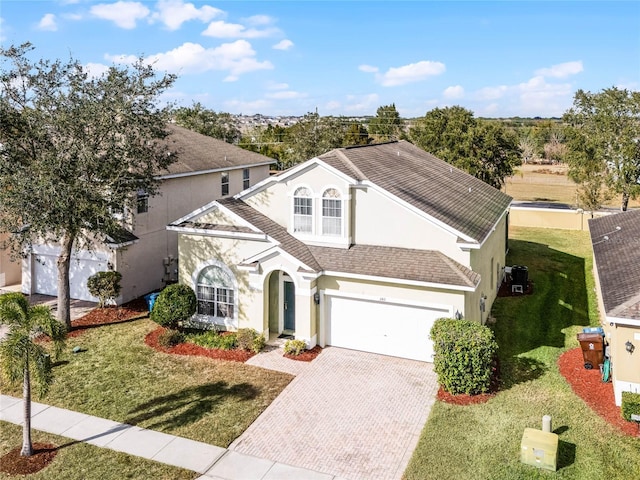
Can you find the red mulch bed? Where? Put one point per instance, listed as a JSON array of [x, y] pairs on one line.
[[14, 464], [307, 355], [151, 339], [133, 310], [588, 385]]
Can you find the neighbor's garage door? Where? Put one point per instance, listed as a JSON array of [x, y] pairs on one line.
[[45, 275], [381, 327]]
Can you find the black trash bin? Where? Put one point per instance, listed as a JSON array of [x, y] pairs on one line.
[[592, 345]]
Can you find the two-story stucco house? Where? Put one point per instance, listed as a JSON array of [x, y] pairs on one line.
[[146, 253], [362, 248]]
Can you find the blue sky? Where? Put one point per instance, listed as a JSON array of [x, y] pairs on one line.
[[497, 59]]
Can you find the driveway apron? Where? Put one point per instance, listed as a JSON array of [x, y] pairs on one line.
[[351, 414]]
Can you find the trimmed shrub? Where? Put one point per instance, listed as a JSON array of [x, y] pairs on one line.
[[630, 405], [175, 304], [213, 339], [105, 285], [464, 355], [170, 338], [249, 339], [294, 347]]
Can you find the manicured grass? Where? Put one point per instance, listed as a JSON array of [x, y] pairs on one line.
[[81, 461], [483, 441], [120, 378]]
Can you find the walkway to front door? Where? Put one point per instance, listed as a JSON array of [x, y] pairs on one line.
[[352, 414]]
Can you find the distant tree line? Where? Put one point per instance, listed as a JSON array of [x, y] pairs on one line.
[[598, 138]]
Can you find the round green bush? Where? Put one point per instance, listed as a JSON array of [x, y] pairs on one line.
[[174, 305]]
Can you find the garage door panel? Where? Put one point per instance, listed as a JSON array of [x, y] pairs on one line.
[[45, 276], [381, 327]]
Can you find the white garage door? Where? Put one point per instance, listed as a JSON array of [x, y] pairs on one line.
[[45, 275], [381, 327]]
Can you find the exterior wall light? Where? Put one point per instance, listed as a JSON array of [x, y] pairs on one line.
[[316, 298], [629, 347]]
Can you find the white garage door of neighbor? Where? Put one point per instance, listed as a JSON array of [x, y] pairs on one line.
[[381, 327], [45, 276]]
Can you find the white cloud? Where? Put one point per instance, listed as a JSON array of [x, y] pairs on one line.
[[453, 92], [236, 58], [260, 20], [286, 95], [283, 45], [492, 93], [48, 23], [362, 103], [333, 106], [222, 29], [95, 69], [368, 68], [278, 86], [414, 72], [123, 14], [561, 70], [173, 13], [255, 106]]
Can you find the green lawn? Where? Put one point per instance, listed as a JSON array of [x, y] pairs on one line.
[[120, 378], [483, 441], [81, 461]]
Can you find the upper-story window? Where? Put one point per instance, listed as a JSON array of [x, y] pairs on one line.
[[246, 179], [331, 212], [142, 201], [302, 210], [224, 182]]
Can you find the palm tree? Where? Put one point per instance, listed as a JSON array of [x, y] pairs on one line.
[[22, 356]]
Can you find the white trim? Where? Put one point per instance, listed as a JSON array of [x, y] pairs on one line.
[[233, 323], [620, 386], [208, 208], [400, 281], [446, 309], [219, 233], [258, 187], [212, 170], [624, 321], [83, 254], [284, 277], [276, 248]]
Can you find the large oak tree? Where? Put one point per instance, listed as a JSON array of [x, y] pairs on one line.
[[609, 124], [75, 149]]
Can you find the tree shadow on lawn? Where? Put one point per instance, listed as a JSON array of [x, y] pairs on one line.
[[188, 405], [559, 300]]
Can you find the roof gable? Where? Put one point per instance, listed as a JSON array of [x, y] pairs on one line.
[[199, 154], [451, 196]]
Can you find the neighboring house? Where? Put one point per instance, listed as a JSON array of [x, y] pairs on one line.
[[146, 253], [616, 257], [362, 248], [9, 269]]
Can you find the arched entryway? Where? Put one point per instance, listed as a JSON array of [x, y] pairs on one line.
[[281, 295]]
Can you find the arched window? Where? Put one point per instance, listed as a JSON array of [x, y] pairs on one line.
[[215, 292], [331, 212], [302, 210]]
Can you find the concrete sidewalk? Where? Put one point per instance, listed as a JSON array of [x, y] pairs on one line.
[[210, 461]]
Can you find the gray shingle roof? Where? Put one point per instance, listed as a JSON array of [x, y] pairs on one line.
[[197, 153], [448, 194], [617, 256], [389, 262]]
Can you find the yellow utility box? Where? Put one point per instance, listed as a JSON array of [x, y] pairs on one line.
[[539, 449]]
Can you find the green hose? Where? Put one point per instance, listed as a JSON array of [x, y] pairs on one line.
[[606, 370]]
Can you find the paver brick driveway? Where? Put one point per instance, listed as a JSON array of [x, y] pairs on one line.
[[352, 414]]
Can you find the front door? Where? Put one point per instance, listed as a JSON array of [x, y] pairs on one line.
[[289, 306]]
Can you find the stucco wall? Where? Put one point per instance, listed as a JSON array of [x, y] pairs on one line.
[[551, 218], [626, 366], [9, 269]]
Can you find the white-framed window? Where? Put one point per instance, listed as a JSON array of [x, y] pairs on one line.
[[224, 182], [215, 293], [331, 212], [302, 210], [142, 201], [246, 179]]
